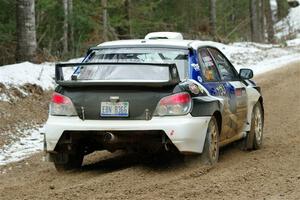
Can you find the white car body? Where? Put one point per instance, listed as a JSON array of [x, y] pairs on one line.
[[187, 132]]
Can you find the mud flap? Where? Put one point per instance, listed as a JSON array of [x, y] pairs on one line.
[[60, 158], [248, 141]]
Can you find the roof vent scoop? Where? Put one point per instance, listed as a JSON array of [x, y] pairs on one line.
[[164, 35]]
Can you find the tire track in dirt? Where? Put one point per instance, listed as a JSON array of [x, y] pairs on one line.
[[270, 173]]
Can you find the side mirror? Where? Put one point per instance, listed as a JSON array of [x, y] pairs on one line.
[[246, 73]]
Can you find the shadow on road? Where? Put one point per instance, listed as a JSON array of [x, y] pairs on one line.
[[110, 162], [123, 160]]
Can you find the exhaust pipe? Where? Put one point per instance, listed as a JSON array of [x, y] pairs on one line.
[[109, 137]]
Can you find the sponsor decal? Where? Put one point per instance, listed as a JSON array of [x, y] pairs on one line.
[[199, 79], [221, 90], [195, 66], [194, 88], [172, 132]]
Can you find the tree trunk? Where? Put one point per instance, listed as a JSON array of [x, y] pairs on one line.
[[261, 21], [71, 21], [257, 21], [127, 5], [212, 18], [253, 21], [26, 31], [65, 27], [104, 20], [270, 22]]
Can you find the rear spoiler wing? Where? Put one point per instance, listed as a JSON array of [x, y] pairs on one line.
[[59, 76]]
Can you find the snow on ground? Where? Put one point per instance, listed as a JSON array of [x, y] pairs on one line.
[[26, 72], [289, 25], [262, 57], [17, 75], [4, 97], [294, 42], [26, 146]]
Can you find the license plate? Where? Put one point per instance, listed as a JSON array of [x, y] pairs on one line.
[[114, 109]]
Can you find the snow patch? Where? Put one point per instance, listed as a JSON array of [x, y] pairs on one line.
[[273, 4], [26, 146], [26, 72], [40, 74], [261, 57], [294, 42], [4, 97], [275, 63], [290, 24]]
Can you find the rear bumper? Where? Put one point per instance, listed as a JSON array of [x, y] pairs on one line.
[[187, 133]]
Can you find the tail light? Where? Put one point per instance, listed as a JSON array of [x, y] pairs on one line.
[[61, 105], [177, 104]]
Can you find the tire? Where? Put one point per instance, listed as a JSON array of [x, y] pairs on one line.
[[65, 162], [210, 154], [254, 138]]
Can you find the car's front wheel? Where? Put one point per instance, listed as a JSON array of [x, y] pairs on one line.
[[258, 123], [254, 137], [210, 154]]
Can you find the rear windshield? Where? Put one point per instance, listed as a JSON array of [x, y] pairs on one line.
[[124, 72], [135, 55]]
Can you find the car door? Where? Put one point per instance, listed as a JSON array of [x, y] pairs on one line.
[[236, 89], [212, 82]]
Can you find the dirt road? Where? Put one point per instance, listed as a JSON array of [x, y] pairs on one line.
[[270, 173]]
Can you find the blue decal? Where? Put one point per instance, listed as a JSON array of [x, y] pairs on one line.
[[194, 68], [211, 88], [231, 97]]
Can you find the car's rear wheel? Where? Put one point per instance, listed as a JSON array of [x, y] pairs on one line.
[[210, 154], [254, 137], [66, 162]]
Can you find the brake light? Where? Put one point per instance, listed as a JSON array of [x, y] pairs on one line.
[[177, 104], [180, 98], [61, 105], [60, 99]]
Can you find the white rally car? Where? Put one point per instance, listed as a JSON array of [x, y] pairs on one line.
[[154, 94]]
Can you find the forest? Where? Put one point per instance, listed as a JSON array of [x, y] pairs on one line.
[[51, 30]]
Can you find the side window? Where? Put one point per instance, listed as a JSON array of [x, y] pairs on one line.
[[226, 70], [208, 66]]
